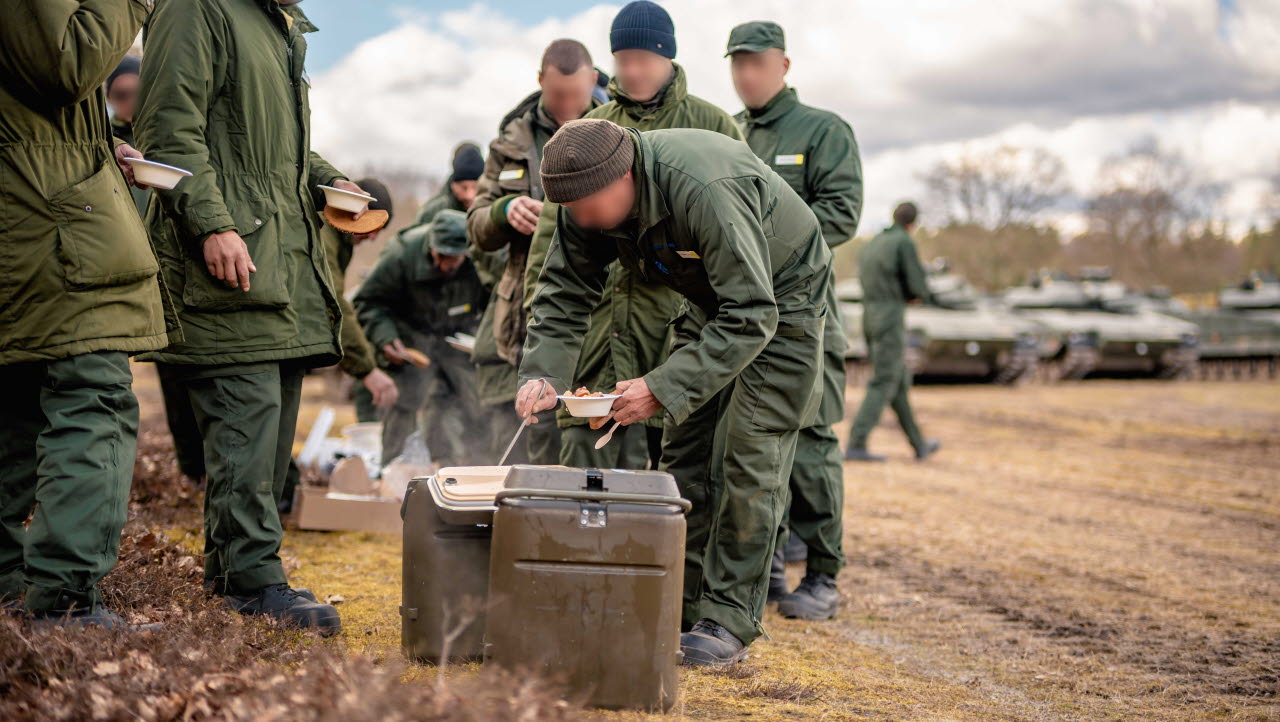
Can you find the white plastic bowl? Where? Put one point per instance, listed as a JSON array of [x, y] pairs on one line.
[[588, 406], [346, 200], [156, 175]]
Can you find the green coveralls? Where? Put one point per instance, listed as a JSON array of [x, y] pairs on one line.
[[629, 333], [407, 297], [362, 397], [224, 95], [816, 154], [744, 376], [78, 294], [891, 275]]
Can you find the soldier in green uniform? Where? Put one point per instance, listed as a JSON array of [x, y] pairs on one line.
[[357, 353], [816, 154], [422, 291], [456, 193], [78, 294], [224, 95], [700, 213], [892, 276], [629, 330], [503, 218]]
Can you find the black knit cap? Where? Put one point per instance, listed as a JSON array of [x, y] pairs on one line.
[[468, 164], [643, 25], [583, 157], [377, 189]]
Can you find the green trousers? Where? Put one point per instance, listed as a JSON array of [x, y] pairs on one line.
[[247, 415], [885, 331], [70, 431], [188, 447], [732, 459], [630, 448], [816, 511]]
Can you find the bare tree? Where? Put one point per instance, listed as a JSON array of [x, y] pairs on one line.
[[994, 189], [1153, 221]]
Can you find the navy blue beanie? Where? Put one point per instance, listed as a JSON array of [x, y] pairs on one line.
[[643, 25]]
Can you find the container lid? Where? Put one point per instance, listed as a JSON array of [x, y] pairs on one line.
[[470, 484], [568, 478]]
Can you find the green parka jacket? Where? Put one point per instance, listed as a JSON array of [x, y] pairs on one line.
[[721, 228], [224, 95], [628, 335], [77, 273]]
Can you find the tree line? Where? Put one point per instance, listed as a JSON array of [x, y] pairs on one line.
[[1149, 217]]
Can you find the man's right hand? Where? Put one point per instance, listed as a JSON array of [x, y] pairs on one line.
[[395, 352], [529, 402], [383, 388], [227, 258], [523, 213]]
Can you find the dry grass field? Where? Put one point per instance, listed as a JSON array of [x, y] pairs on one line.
[[1090, 551]]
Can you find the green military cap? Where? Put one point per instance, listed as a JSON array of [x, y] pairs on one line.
[[756, 37], [448, 233]]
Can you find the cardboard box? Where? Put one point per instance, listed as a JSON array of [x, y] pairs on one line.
[[321, 510]]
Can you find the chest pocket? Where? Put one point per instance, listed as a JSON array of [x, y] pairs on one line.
[[514, 178], [791, 167]]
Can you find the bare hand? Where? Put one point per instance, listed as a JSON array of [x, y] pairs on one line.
[[529, 402], [598, 422], [383, 388], [346, 185], [637, 402], [124, 150], [522, 214], [395, 352], [227, 258]]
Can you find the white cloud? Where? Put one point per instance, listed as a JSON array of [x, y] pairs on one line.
[[919, 81]]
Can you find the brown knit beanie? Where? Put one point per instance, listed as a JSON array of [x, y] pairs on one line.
[[583, 157]]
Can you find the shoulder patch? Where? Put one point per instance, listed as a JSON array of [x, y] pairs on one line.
[[795, 159]]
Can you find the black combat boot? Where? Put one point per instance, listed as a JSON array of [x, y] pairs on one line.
[[930, 448], [777, 579], [710, 645], [289, 606], [815, 599], [858, 453], [215, 588]]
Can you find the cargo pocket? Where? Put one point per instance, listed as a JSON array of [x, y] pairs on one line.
[[783, 383], [257, 224], [101, 241]]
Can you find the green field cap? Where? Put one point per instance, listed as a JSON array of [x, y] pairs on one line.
[[755, 37]]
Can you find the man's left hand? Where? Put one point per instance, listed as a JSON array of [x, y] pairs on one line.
[[346, 185], [637, 402], [124, 150]]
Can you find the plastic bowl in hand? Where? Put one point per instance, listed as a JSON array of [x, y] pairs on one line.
[[156, 175], [588, 406], [346, 200]]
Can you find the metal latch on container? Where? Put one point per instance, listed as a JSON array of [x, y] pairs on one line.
[[595, 480], [409, 613], [593, 515]]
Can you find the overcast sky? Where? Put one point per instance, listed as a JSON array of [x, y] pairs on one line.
[[399, 82]]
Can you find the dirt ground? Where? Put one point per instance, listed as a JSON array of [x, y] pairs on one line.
[[1097, 550]]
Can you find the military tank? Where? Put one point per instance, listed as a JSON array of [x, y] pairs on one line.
[[1241, 337], [1091, 325], [961, 335]]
